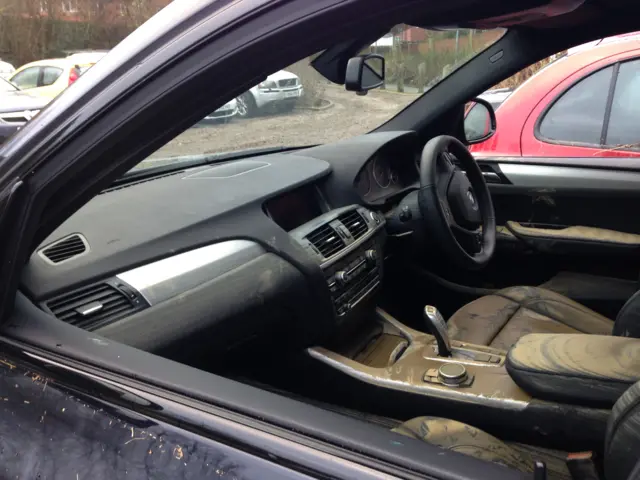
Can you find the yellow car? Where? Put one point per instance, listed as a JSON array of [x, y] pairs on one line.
[[48, 78]]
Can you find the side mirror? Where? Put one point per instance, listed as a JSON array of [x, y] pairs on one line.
[[364, 73], [479, 121]]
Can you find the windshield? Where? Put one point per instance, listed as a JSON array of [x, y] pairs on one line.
[[297, 106], [6, 86]]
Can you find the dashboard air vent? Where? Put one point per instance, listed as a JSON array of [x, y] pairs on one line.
[[326, 240], [354, 223], [64, 249], [91, 307]]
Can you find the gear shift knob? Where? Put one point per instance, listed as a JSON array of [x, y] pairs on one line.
[[438, 327]]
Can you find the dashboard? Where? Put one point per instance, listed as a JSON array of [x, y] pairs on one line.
[[214, 256]]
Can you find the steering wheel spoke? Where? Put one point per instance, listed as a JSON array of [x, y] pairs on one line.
[[470, 240]]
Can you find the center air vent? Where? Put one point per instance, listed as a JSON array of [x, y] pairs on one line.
[[94, 307], [326, 240], [355, 223], [65, 249]]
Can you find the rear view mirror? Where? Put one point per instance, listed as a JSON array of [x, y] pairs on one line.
[[479, 121], [364, 73]]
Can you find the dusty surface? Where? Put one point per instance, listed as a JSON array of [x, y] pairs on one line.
[[350, 115]]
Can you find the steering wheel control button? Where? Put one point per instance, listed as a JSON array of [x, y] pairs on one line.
[[454, 375]]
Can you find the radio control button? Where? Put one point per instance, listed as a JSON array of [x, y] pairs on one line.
[[342, 277], [371, 256]]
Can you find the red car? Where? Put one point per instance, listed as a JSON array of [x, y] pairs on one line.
[[585, 104]]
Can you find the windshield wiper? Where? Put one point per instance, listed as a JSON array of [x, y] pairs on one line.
[[166, 165]]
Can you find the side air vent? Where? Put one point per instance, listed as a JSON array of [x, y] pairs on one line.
[[65, 249], [326, 240], [93, 307], [354, 223]]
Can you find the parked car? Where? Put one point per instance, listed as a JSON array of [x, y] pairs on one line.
[[225, 113], [16, 108], [268, 314], [6, 69], [584, 104], [281, 90], [48, 78]]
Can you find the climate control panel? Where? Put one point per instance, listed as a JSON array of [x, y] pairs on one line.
[[352, 279]]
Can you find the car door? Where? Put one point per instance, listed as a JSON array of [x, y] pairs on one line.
[[566, 207]]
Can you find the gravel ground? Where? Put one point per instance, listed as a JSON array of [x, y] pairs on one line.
[[349, 116]]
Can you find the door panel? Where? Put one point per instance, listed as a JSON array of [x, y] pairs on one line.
[[567, 205]]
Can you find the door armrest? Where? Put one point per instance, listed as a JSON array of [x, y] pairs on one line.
[[588, 370]]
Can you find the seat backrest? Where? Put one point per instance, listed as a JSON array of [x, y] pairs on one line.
[[622, 444]]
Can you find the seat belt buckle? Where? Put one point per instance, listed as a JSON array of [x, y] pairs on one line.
[[539, 470], [582, 467]]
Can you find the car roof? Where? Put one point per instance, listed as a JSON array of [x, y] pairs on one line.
[[71, 60], [559, 69], [603, 41], [53, 62]]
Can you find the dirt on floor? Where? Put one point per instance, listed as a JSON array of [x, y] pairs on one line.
[[349, 115]]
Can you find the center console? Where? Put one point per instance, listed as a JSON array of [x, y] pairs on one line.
[[397, 357]]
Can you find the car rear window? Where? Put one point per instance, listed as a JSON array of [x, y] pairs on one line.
[[578, 115], [625, 114], [50, 75]]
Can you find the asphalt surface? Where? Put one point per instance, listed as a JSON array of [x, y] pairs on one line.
[[350, 115]]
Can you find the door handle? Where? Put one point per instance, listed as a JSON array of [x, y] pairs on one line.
[[491, 177]]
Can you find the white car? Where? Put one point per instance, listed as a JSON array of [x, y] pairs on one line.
[[225, 112], [48, 78], [280, 90], [6, 69]]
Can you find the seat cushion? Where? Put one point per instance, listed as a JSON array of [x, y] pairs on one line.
[[463, 438], [500, 319]]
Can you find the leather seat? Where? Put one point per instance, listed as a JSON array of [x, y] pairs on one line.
[[621, 444], [462, 438], [500, 319]]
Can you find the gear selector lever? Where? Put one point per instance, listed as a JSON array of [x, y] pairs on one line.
[[438, 328]]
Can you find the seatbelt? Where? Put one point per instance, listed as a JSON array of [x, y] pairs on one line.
[[539, 470]]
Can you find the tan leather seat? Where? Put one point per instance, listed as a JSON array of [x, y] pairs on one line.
[[500, 319], [463, 438]]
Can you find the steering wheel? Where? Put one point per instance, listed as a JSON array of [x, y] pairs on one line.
[[456, 207]]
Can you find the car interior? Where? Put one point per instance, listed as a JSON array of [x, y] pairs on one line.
[[490, 308]]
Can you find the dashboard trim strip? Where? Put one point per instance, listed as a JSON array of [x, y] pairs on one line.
[[167, 278]]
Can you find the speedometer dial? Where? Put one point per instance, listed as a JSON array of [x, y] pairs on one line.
[[381, 172]]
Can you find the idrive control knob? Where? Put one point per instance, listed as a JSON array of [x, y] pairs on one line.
[[452, 374]]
